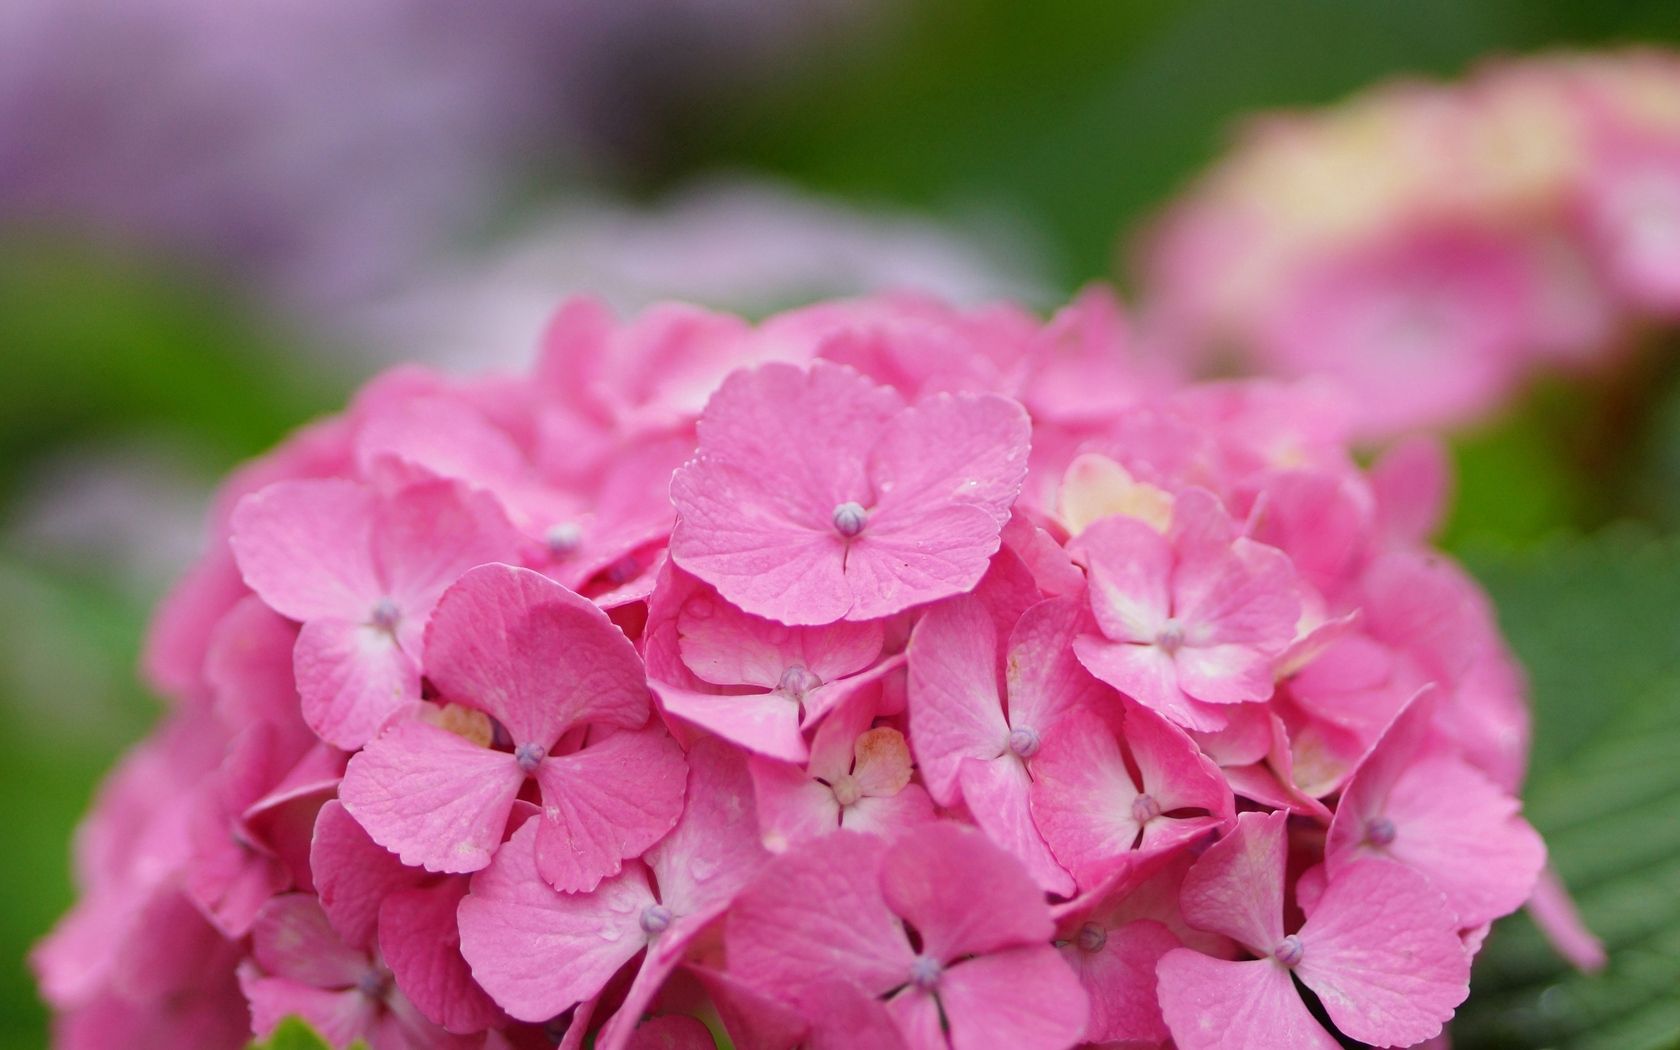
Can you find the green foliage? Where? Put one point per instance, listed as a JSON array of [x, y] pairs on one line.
[[1597, 622], [94, 344], [293, 1034]]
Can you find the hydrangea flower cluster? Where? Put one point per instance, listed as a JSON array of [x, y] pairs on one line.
[[880, 675], [1435, 246]]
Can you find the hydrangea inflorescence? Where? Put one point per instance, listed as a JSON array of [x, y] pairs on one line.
[[879, 675], [1435, 246]]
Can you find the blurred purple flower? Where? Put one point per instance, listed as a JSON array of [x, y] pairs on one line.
[[318, 147]]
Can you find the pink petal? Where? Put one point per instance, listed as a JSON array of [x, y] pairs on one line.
[[1382, 953], [292, 939], [725, 646], [426, 536], [815, 917], [964, 448], [1412, 483], [944, 471], [714, 849], [1020, 997], [248, 668], [1082, 796], [1236, 887], [420, 942], [752, 1021], [917, 1017], [1562, 926], [996, 792], [1245, 594], [882, 766], [352, 678], [1119, 979], [875, 815], [339, 1017], [955, 711], [1130, 577], [1148, 675], [353, 874], [792, 807], [1224, 674], [536, 952], [999, 905], [1216, 1004], [232, 872], [913, 558], [304, 547], [848, 1019], [1451, 825], [1175, 774], [436, 800], [766, 723], [533, 655], [606, 803], [674, 1032], [1045, 679], [441, 436], [780, 448]]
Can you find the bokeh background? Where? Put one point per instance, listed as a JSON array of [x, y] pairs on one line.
[[216, 219]]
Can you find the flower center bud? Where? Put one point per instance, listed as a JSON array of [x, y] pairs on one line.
[[385, 615], [849, 518], [373, 984], [1092, 938], [1145, 809], [1170, 637], [1024, 742], [563, 538], [846, 790], [1289, 952], [796, 681], [925, 972], [655, 918], [530, 756], [1379, 831]]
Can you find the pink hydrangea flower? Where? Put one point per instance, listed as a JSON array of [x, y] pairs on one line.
[[817, 496], [300, 968], [489, 731], [541, 952], [857, 778], [973, 741], [1099, 816], [834, 912], [1434, 247], [552, 670], [1379, 948], [361, 572], [1411, 800], [771, 680], [1188, 620]]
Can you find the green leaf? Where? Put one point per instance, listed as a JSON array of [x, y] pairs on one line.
[[293, 1034], [1597, 622]]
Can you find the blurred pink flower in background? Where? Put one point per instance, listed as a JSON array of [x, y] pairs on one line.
[[1433, 247]]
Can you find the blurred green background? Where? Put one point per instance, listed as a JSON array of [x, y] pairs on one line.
[[1075, 120]]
